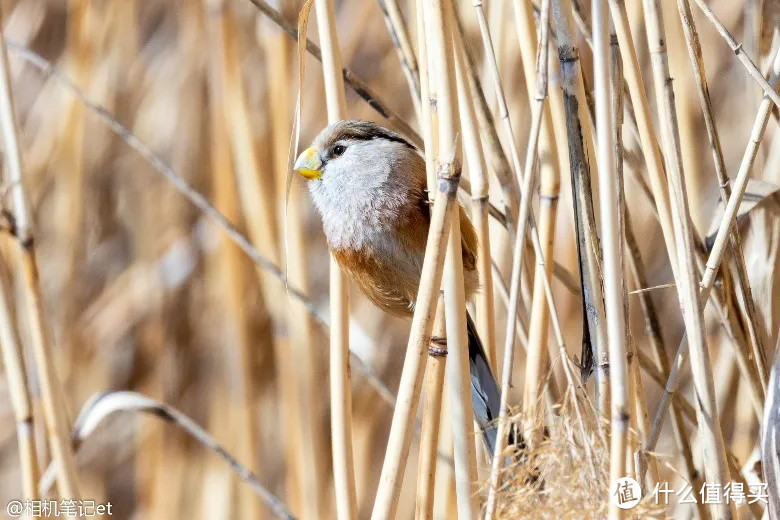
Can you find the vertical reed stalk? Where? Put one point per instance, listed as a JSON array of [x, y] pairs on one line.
[[340, 387], [439, 23], [13, 363], [534, 59], [429, 439], [480, 187], [231, 267], [611, 247], [52, 395], [648, 143], [714, 454], [278, 54]]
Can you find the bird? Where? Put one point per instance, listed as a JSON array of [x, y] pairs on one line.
[[368, 185]]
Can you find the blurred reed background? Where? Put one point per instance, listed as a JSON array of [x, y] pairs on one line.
[[142, 291]]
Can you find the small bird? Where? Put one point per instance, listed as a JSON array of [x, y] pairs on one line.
[[369, 187]]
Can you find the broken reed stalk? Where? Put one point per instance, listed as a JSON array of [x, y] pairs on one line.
[[439, 24], [444, 206], [480, 187], [611, 241], [51, 392], [429, 438], [534, 57], [399, 34], [735, 241], [714, 455], [578, 130], [340, 385], [716, 255], [748, 63], [13, 363]]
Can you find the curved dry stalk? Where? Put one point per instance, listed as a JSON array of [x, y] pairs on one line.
[[13, 362], [714, 455], [96, 409], [611, 240], [751, 67], [403, 47], [417, 348], [351, 79], [340, 385], [51, 392], [735, 241]]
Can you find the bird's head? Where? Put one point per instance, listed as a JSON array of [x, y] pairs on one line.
[[350, 147], [360, 176]]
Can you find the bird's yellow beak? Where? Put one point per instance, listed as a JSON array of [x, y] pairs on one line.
[[309, 164]]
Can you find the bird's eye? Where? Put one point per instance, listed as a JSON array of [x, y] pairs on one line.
[[338, 150]]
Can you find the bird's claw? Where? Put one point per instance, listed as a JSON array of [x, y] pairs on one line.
[[438, 347]]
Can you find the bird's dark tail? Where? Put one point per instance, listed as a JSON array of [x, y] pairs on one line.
[[485, 394]]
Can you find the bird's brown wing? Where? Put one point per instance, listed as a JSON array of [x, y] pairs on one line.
[[468, 236], [378, 281]]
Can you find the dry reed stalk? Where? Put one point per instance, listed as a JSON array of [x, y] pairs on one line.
[[52, 395], [640, 424], [445, 204], [508, 180], [439, 23], [534, 59], [100, 406], [735, 242], [278, 57], [350, 78], [403, 47], [230, 264], [340, 385], [660, 363], [509, 183], [429, 438], [611, 240], [716, 254], [480, 187], [13, 364], [579, 130], [651, 151], [748, 63], [714, 455], [71, 153]]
